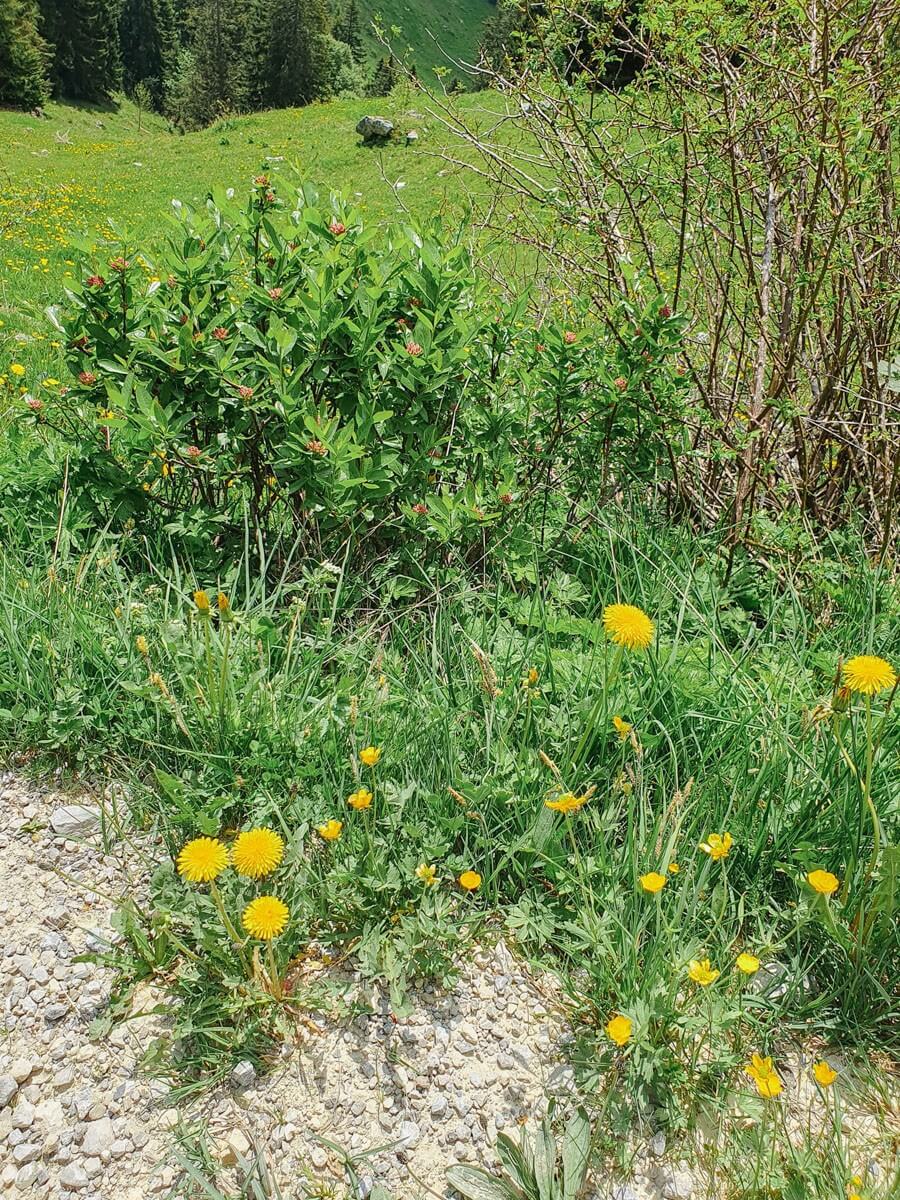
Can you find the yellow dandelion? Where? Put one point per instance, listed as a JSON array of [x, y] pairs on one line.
[[717, 846], [628, 626], [702, 972], [567, 803], [201, 599], [869, 674], [265, 917], [470, 880], [824, 1073], [427, 874], [257, 852], [622, 728], [141, 643], [17, 369], [747, 963], [767, 1080], [370, 755], [618, 1029], [360, 800], [653, 882], [823, 882], [202, 859], [331, 830]]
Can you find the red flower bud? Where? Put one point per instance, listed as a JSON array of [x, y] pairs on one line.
[[413, 349], [316, 447], [420, 508], [220, 334], [620, 382], [245, 393], [87, 378], [569, 337], [275, 293], [95, 281], [337, 228], [193, 452]]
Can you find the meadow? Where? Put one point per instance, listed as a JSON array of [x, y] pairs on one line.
[[398, 674]]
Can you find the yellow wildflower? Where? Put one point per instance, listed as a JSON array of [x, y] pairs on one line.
[[370, 755], [202, 860], [470, 880], [653, 882], [141, 642], [764, 1075], [257, 852], [628, 626], [717, 846], [748, 963], [618, 1029], [702, 972], [824, 1073], [823, 882], [360, 800], [869, 674], [17, 369], [622, 728], [566, 803], [426, 873], [201, 599], [331, 830], [265, 917]]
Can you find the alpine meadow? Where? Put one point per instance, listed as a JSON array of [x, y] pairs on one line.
[[450, 599]]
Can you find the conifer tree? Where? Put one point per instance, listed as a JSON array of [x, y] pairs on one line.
[[149, 42], [349, 29], [385, 77], [84, 34], [23, 55], [218, 82], [301, 52]]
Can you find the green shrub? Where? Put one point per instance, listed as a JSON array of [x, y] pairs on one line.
[[286, 367]]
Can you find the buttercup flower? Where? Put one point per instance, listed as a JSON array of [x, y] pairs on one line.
[[361, 799], [824, 1073], [717, 846], [370, 756], [869, 674], [674, 868], [823, 882], [257, 852], [747, 963], [764, 1075], [470, 880], [331, 830], [622, 728], [628, 626], [567, 803], [618, 1029], [702, 972], [265, 917], [653, 882], [427, 874], [202, 859]]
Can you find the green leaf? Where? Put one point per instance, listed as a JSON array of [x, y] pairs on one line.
[[476, 1184], [576, 1152]]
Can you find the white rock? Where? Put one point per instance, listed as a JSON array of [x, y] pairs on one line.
[[21, 1069], [409, 1134], [677, 1185], [234, 1147], [244, 1074], [8, 1089], [98, 1136], [73, 1178], [23, 1115], [74, 820]]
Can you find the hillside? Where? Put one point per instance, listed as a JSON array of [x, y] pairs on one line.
[[438, 32]]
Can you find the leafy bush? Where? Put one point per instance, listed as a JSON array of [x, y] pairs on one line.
[[286, 367]]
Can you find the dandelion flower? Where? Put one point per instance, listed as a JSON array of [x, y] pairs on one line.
[[331, 830], [702, 972], [257, 852], [628, 626], [202, 860], [653, 882], [470, 880], [532, 677], [370, 756], [141, 643], [823, 882], [427, 874], [824, 1073], [361, 799], [201, 599], [17, 369], [764, 1075], [747, 963], [622, 728], [567, 803], [265, 917], [717, 846], [869, 674], [618, 1029]]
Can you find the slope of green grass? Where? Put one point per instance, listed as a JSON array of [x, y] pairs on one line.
[[438, 32]]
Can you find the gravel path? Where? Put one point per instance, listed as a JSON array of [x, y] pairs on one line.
[[408, 1096]]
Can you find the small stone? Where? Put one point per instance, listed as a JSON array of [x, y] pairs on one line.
[[54, 1013], [21, 1069], [170, 1119], [409, 1134], [234, 1147], [98, 1136], [319, 1158], [677, 1185], [26, 1152], [23, 1115], [623, 1192], [8, 1089], [27, 1176], [438, 1106], [73, 1178], [74, 820], [658, 1144], [244, 1074]]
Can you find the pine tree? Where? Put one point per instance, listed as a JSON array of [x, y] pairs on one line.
[[301, 56], [348, 29], [87, 63], [385, 77], [23, 55], [149, 42], [256, 48], [218, 82]]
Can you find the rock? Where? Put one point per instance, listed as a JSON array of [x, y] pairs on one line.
[[244, 1074], [8, 1089], [319, 1158], [677, 1185], [412, 137], [98, 1136], [21, 1069], [23, 1115], [54, 1013], [408, 1134], [27, 1177], [73, 1178], [623, 1192], [658, 1144], [234, 1147], [373, 129], [26, 1152], [74, 820]]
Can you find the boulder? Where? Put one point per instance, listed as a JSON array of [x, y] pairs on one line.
[[74, 820], [373, 129]]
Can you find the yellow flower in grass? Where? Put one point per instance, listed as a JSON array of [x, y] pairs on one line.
[[653, 882], [265, 917], [869, 674], [257, 852], [622, 728], [618, 1029], [331, 830], [747, 963], [361, 799], [470, 881], [202, 860], [823, 882], [567, 803], [702, 972], [427, 874], [824, 1073], [628, 626], [201, 599], [370, 756], [717, 846], [674, 868], [767, 1080], [17, 369], [141, 643]]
